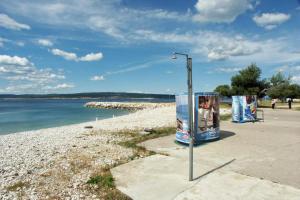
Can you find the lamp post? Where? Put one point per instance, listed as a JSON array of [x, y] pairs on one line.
[[190, 104]]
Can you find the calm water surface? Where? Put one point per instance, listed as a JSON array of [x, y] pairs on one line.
[[30, 114]]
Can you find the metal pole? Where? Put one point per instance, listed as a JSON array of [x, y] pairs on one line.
[[191, 112], [191, 129]]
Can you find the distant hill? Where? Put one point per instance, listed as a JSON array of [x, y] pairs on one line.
[[110, 95]]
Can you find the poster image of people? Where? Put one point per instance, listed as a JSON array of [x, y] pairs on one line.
[[207, 116], [244, 108], [207, 113], [182, 119], [250, 110]]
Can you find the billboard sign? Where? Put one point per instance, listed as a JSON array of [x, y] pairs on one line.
[[207, 116], [244, 108], [182, 119]]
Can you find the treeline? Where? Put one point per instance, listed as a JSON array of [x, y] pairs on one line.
[[110, 95], [248, 82]]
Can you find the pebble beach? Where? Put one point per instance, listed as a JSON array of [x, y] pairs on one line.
[[55, 163]]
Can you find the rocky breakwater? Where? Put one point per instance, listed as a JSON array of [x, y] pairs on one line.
[[133, 106]]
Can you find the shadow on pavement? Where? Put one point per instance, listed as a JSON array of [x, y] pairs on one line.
[[226, 134], [215, 169], [223, 135]]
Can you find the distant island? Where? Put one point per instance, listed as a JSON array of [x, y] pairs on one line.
[[102, 95]]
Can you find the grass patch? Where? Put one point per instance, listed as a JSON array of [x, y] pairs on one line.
[[155, 133], [80, 162], [225, 105], [137, 138], [105, 180], [225, 117], [18, 185], [278, 105], [103, 184]]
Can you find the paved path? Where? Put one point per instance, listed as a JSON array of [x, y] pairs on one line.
[[251, 161]]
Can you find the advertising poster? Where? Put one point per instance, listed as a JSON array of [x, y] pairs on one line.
[[250, 105], [182, 118], [237, 115], [244, 108], [207, 116]]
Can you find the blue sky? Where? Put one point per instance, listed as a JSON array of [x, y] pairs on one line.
[[126, 45]]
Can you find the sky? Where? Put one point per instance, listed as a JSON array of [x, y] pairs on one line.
[[53, 46]]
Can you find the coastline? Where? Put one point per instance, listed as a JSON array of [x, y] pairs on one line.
[[131, 106], [96, 123], [58, 161], [27, 156]]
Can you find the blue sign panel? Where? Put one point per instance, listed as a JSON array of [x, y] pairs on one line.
[[207, 116], [182, 119]]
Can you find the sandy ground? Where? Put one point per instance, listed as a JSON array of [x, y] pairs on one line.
[[56, 162]]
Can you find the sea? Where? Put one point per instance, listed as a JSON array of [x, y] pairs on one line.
[[17, 115]]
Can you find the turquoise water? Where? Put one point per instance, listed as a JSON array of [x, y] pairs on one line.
[[30, 114]]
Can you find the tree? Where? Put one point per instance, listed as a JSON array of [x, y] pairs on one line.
[[278, 79], [281, 87], [278, 91], [247, 82], [293, 91], [223, 90]]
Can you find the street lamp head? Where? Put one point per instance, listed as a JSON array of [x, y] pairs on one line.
[[174, 56]]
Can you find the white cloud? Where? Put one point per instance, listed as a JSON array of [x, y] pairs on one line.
[[13, 60], [135, 67], [92, 57], [213, 45], [64, 54], [149, 35], [20, 88], [238, 49], [9, 23], [2, 41], [288, 68], [108, 26], [97, 78], [20, 43], [33, 88], [72, 56], [62, 86], [159, 14], [136, 26], [220, 11], [270, 20], [45, 42], [228, 69], [94, 15], [215, 55], [23, 76], [296, 79]]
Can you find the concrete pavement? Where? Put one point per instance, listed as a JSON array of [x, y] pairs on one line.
[[251, 161]]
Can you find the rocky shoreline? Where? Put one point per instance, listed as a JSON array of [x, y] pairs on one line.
[[133, 106], [55, 163]]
